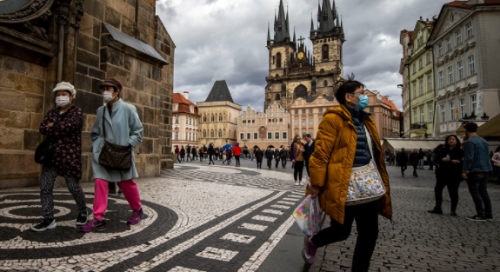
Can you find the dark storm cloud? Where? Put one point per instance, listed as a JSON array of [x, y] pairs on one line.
[[226, 39]]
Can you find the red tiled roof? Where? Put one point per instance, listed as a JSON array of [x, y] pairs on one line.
[[184, 104], [460, 4], [391, 104]]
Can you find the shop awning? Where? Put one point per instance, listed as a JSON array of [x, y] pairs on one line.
[[490, 128], [410, 144]]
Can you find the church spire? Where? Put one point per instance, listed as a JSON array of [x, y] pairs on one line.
[[294, 36], [268, 33], [281, 25], [326, 17]]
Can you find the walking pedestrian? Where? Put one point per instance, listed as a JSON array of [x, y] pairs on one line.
[[259, 155], [277, 157], [216, 153], [188, 153], [496, 163], [237, 154], [297, 158], [284, 157], [183, 153], [430, 159], [414, 158], [201, 152], [193, 152], [477, 165], [116, 122], [403, 161], [421, 157], [448, 173], [211, 153], [309, 149], [178, 153], [342, 144], [62, 127], [269, 156]]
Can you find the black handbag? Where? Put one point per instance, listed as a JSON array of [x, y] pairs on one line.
[[113, 156], [44, 152]]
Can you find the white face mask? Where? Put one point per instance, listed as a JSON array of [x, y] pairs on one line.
[[62, 101], [108, 96]]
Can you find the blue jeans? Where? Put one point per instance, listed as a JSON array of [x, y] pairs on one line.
[[477, 182], [421, 164]]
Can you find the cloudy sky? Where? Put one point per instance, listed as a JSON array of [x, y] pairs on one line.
[[226, 39]]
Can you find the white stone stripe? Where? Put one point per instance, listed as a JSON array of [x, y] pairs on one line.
[[280, 207], [254, 263], [290, 199], [164, 257], [255, 227], [184, 269], [264, 218], [276, 212], [238, 238], [286, 202], [217, 254]]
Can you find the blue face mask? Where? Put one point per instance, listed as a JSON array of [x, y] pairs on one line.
[[363, 102]]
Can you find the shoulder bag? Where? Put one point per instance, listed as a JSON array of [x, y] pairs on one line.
[[113, 156], [366, 184]]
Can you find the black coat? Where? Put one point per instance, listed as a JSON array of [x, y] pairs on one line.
[[414, 157], [402, 158], [259, 154], [447, 169], [269, 154], [309, 150], [277, 155]]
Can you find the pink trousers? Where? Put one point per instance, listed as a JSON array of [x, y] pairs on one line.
[[129, 189]]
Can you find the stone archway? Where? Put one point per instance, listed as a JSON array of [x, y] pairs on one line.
[[300, 91]]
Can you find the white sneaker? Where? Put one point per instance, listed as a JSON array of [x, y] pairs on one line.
[[296, 183]]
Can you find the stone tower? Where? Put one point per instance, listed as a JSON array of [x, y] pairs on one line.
[[296, 72]]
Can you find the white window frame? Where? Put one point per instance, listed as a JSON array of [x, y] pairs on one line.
[[421, 82], [473, 103], [472, 65], [255, 136], [277, 134], [450, 74], [269, 135], [461, 105], [430, 112], [176, 136], [311, 121], [448, 44], [296, 122], [458, 35], [429, 83], [284, 135], [469, 30], [460, 68], [443, 114], [415, 116], [242, 136], [428, 58], [414, 89], [422, 115], [304, 121], [440, 49], [452, 110], [441, 79], [249, 135]]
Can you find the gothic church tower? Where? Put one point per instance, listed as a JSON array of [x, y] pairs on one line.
[[293, 71]]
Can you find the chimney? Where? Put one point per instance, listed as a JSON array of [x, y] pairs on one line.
[[186, 95]]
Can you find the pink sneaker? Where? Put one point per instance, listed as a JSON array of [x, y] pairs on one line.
[[135, 218], [309, 250], [94, 225]]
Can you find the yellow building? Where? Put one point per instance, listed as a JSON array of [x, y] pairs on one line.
[[219, 117], [421, 86], [263, 129], [293, 71]]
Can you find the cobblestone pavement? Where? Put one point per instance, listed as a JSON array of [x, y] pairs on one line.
[[223, 218]]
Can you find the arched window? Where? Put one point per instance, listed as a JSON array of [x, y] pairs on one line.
[[278, 97], [212, 134], [204, 134], [278, 60], [204, 118], [220, 117], [325, 52], [220, 133], [325, 83], [213, 118], [300, 91]]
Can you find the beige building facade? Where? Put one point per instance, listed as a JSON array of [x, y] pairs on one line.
[[82, 42], [406, 40], [263, 129], [185, 121], [294, 71], [219, 117]]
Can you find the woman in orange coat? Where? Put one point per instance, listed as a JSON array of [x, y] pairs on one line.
[[342, 144]]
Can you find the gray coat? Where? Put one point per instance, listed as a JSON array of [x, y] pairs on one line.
[[123, 127]]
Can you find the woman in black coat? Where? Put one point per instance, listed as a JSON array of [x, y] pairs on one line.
[[277, 157], [269, 156], [448, 173]]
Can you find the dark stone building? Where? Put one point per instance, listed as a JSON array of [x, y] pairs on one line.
[[43, 42]]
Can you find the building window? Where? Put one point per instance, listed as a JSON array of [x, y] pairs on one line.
[[421, 82], [303, 111], [204, 118], [473, 103], [277, 97], [415, 116], [422, 115], [460, 66], [472, 68], [249, 136], [320, 119], [448, 44], [320, 110], [284, 136], [470, 33], [325, 52], [429, 83], [204, 134], [430, 112], [296, 122], [269, 135], [452, 110], [458, 35], [420, 64], [277, 135], [176, 136], [177, 119], [186, 138], [440, 49], [461, 103], [296, 111], [213, 118], [428, 56], [212, 134], [220, 133], [256, 136], [450, 74], [187, 121], [278, 60], [220, 117], [303, 122], [311, 122], [441, 79], [310, 110], [325, 83], [414, 68], [414, 90], [443, 114]]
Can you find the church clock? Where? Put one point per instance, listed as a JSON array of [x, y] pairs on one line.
[[300, 55]]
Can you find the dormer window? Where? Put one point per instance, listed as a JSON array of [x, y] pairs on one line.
[[175, 107], [191, 108]]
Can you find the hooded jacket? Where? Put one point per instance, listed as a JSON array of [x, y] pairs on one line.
[[331, 163]]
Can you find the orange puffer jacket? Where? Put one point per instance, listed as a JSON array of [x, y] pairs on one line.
[[331, 163]]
